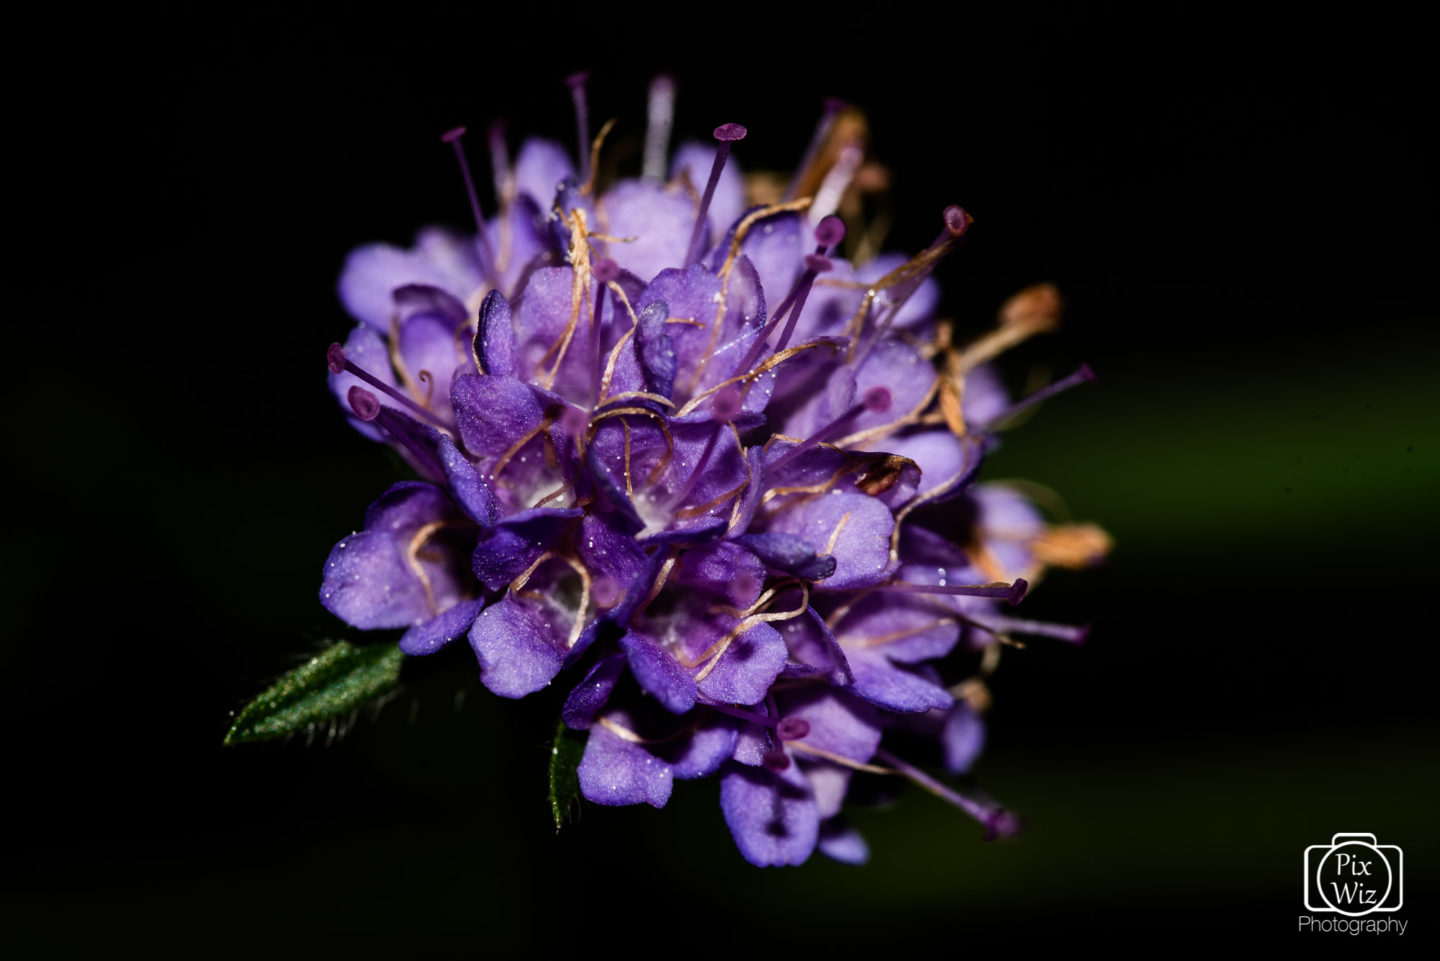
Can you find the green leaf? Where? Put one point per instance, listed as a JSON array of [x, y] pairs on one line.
[[565, 757], [334, 682]]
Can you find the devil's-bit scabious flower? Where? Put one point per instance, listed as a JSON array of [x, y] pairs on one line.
[[679, 455]]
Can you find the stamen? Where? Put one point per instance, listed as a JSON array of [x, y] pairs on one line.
[[832, 107], [1034, 310], [660, 113], [902, 282], [876, 400], [775, 760], [726, 405], [1010, 592], [995, 624], [576, 82], [368, 408], [725, 135], [1081, 376], [837, 181], [339, 364], [453, 138], [363, 403], [679, 497], [998, 822], [829, 232], [503, 176], [604, 271], [792, 729]]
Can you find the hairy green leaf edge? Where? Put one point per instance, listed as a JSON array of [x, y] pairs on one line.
[[335, 682], [565, 755]]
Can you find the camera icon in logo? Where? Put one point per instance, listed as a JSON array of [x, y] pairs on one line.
[[1354, 876]]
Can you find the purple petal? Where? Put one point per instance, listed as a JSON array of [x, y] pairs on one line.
[[811, 643], [747, 668], [494, 412], [617, 771], [439, 631], [843, 843], [519, 653], [985, 397], [658, 674], [910, 691], [467, 485], [657, 350], [659, 219], [963, 737], [517, 543], [861, 548], [789, 555], [771, 816], [839, 723], [777, 247], [828, 782], [592, 694], [368, 579], [495, 337], [702, 754], [539, 168], [904, 627], [726, 571], [945, 463]]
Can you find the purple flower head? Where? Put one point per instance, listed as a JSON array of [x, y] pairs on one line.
[[686, 459]]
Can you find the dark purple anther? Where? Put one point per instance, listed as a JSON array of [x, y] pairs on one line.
[[336, 360], [405, 431], [997, 822], [775, 761], [363, 403], [877, 399], [605, 270], [957, 221], [793, 303], [1001, 824], [828, 233], [792, 728], [453, 138], [725, 134], [1081, 376], [726, 404], [576, 82]]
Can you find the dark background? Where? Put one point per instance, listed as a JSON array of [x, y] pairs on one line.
[[1240, 214]]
